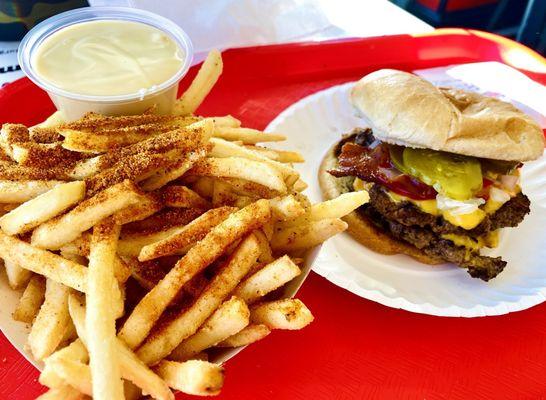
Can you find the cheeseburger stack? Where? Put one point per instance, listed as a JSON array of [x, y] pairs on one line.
[[441, 166]]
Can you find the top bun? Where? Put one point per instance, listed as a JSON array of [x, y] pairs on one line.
[[405, 109]]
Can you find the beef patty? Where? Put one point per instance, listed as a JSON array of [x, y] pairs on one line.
[[406, 222], [509, 215]]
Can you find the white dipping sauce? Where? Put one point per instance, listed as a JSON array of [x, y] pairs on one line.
[[108, 58]]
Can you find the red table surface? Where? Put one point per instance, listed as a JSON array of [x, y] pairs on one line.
[[355, 349]]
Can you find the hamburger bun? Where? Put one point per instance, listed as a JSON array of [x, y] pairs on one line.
[[360, 227], [402, 108]]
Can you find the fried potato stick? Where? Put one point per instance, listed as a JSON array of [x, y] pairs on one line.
[[150, 308]]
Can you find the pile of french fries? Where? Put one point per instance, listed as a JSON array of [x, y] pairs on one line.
[[141, 243]]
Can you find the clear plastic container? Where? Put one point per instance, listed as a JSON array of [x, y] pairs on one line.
[[74, 105]]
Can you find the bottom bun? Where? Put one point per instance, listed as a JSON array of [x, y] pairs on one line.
[[360, 227]]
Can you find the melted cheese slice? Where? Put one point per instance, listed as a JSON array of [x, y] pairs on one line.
[[489, 240], [466, 221]]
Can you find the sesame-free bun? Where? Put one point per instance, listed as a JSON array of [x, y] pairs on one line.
[[404, 109], [359, 226]]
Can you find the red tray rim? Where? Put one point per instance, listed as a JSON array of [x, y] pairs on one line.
[[22, 83]]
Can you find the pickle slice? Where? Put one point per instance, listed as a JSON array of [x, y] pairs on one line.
[[396, 154], [455, 176]]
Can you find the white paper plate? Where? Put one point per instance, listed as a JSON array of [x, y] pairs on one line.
[[316, 122], [17, 332]]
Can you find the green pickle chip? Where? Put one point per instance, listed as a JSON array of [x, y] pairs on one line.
[[452, 175]]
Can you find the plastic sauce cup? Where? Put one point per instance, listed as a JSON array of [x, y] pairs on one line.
[[74, 105]]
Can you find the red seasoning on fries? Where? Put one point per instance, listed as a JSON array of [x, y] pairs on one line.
[[153, 242]]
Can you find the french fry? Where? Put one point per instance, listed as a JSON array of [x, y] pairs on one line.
[[94, 122], [289, 314], [68, 336], [44, 134], [242, 168], [122, 270], [76, 374], [15, 172], [268, 230], [249, 189], [165, 175], [246, 135], [77, 247], [223, 148], [107, 383], [17, 277], [78, 251], [187, 235], [11, 134], [135, 168], [132, 246], [227, 121], [148, 273], [108, 139], [266, 255], [75, 351], [243, 201], [42, 208], [150, 308], [306, 236], [267, 279], [65, 392], [263, 151], [43, 262], [202, 84], [252, 333], [21, 191], [231, 317], [203, 186], [203, 130], [289, 156], [163, 342], [191, 290], [283, 156], [132, 368], [286, 208], [222, 195], [195, 377], [51, 322], [43, 155], [300, 186], [340, 206], [148, 206], [183, 197], [182, 138], [335, 208], [59, 231], [31, 300]]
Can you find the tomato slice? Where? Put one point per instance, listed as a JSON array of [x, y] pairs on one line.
[[484, 193]]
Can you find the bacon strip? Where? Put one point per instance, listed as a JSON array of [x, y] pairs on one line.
[[374, 165]]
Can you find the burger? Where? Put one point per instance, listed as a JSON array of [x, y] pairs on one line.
[[441, 166]]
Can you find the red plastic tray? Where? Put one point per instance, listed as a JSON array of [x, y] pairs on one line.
[[355, 349]]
